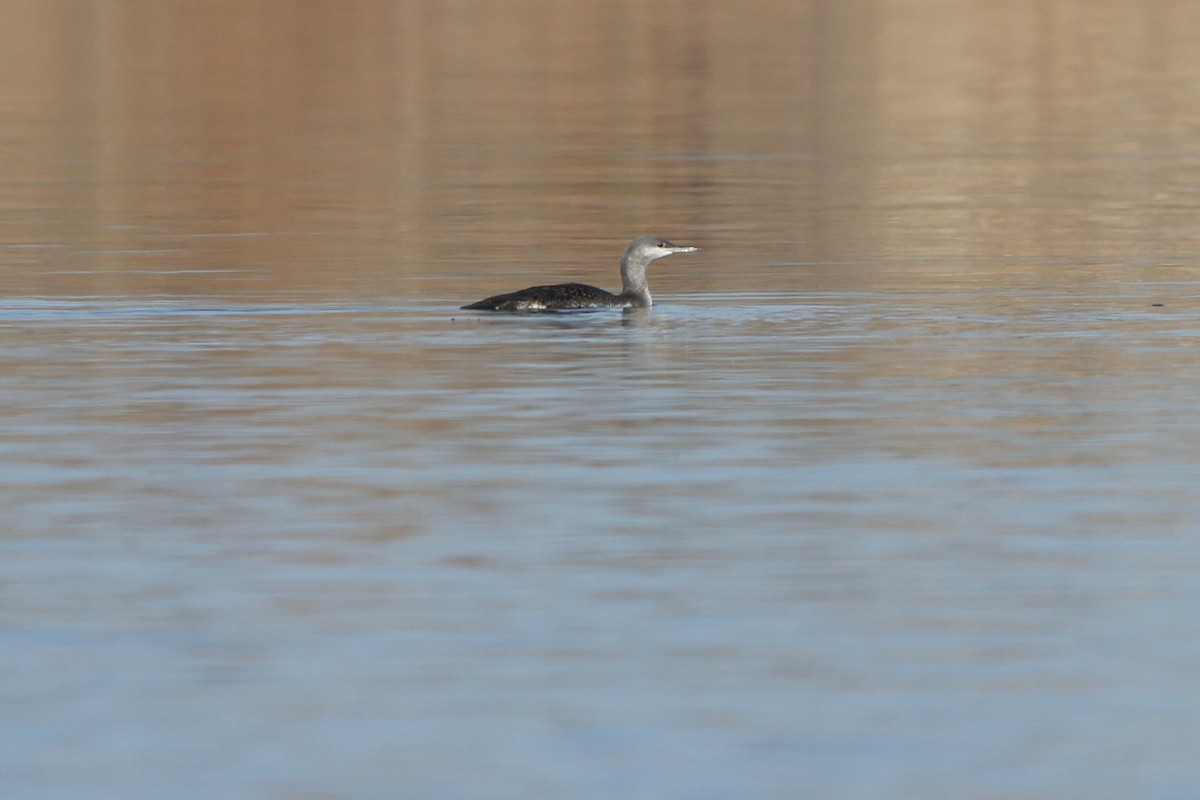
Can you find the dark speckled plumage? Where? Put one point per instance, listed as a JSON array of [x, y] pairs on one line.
[[543, 298], [640, 253]]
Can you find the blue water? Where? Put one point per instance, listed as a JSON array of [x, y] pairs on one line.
[[847, 545]]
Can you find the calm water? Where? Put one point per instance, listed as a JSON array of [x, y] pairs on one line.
[[895, 493]]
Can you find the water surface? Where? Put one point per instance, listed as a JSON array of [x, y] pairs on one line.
[[894, 492]]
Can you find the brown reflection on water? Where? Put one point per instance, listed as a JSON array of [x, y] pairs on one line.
[[419, 147]]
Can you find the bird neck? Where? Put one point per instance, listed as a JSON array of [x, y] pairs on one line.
[[633, 281]]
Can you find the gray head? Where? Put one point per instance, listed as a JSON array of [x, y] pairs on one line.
[[641, 252]]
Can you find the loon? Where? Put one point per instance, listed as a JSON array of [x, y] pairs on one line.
[[634, 292]]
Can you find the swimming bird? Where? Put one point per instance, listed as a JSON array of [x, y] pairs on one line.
[[640, 253]]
